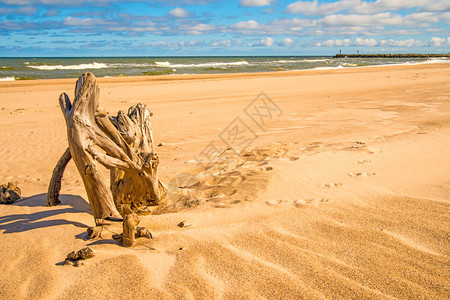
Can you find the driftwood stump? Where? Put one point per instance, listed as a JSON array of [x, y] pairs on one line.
[[123, 144]]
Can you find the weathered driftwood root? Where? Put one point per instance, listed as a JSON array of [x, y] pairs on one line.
[[128, 148], [9, 193], [130, 222], [140, 232], [55, 183]]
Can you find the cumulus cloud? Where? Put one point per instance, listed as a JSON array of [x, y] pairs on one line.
[[176, 44], [254, 3], [251, 24], [362, 20], [179, 13], [365, 42], [370, 42], [224, 43], [332, 43], [71, 21], [365, 7], [287, 42], [197, 29], [437, 42], [267, 42], [314, 8]]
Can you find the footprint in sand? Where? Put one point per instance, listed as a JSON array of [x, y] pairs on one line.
[[221, 205], [276, 202], [330, 185], [309, 201], [364, 161], [372, 150], [361, 174]]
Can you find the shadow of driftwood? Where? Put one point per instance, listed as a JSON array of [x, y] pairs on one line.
[[24, 222], [76, 202], [106, 242]]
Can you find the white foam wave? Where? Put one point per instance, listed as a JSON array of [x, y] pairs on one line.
[[166, 64], [437, 60], [129, 65], [328, 68], [94, 65], [7, 79], [298, 61]]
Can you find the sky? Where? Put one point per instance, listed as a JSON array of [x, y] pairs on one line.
[[222, 28]]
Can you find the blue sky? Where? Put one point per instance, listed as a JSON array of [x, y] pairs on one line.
[[208, 27]]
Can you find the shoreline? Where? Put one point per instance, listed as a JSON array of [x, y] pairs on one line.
[[218, 76], [105, 67]]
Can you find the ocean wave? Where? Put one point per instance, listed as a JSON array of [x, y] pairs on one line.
[[7, 79], [130, 65], [283, 61], [94, 65], [328, 68], [437, 60], [166, 64]]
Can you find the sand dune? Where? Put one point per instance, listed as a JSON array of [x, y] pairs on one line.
[[342, 192]]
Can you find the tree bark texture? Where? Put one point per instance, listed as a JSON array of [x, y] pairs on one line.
[[123, 144]]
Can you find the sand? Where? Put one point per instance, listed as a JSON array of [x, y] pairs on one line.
[[339, 188]]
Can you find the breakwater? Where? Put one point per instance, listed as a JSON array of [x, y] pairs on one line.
[[390, 55]]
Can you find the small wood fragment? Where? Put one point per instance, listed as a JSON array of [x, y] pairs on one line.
[[94, 232], [76, 258], [143, 232], [9, 193]]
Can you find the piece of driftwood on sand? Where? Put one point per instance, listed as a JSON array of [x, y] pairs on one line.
[[123, 144]]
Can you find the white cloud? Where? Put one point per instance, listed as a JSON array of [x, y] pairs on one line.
[[254, 3], [365, 7], [267, 42], [370, 42], [331, 43], [197, 29], [314, 8], [71, 21], [365, 42], [164, 44], [251, 24], [224, 43], [437, 42], [402, 43], [386, 18], [179, 13], [287, 42]]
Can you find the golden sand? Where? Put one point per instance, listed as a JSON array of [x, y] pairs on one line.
[[342, 190]]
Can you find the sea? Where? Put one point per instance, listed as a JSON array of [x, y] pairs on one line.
[[29, 68]]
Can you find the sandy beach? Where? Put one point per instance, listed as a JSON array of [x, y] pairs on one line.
[[337, 188]]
